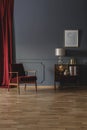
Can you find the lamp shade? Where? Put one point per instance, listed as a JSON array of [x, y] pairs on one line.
[[59, 51]]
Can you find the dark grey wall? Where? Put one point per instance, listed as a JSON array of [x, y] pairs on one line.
[[39, 28]]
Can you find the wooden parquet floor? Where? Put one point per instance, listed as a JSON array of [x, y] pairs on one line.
[[45, 110]]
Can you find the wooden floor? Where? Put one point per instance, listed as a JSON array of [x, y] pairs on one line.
[[64, 109]]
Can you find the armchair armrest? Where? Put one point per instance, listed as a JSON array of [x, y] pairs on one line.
[[13, 74], [30, 72]]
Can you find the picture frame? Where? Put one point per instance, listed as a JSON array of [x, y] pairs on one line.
[[71, 38]]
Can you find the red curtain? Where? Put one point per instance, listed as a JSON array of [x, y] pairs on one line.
[[6, 29]]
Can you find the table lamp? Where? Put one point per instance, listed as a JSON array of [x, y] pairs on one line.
[[60, 52]]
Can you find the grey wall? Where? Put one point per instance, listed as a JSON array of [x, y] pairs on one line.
[[39, 28]]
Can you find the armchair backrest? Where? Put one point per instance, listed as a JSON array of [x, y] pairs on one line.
[[18, 68]]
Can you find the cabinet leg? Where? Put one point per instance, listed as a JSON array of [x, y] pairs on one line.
[[54, 85]]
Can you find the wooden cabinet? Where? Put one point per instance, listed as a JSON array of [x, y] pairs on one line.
[[66, 74], [76, 75]]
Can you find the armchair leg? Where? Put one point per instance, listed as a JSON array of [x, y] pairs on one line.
[[18, 89], [25, 87], [36, 86], [8, 87]]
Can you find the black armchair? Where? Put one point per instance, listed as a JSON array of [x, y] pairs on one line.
[[18, 76]]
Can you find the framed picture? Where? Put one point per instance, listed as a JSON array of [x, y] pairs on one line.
[[71, 38]]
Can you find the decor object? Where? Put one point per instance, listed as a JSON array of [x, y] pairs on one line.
[[72, 61], [18, 76], [73, 67], [71, 38], [73, 70], [60, 52]]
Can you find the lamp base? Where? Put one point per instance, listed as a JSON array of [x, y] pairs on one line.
[[60, 60]]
